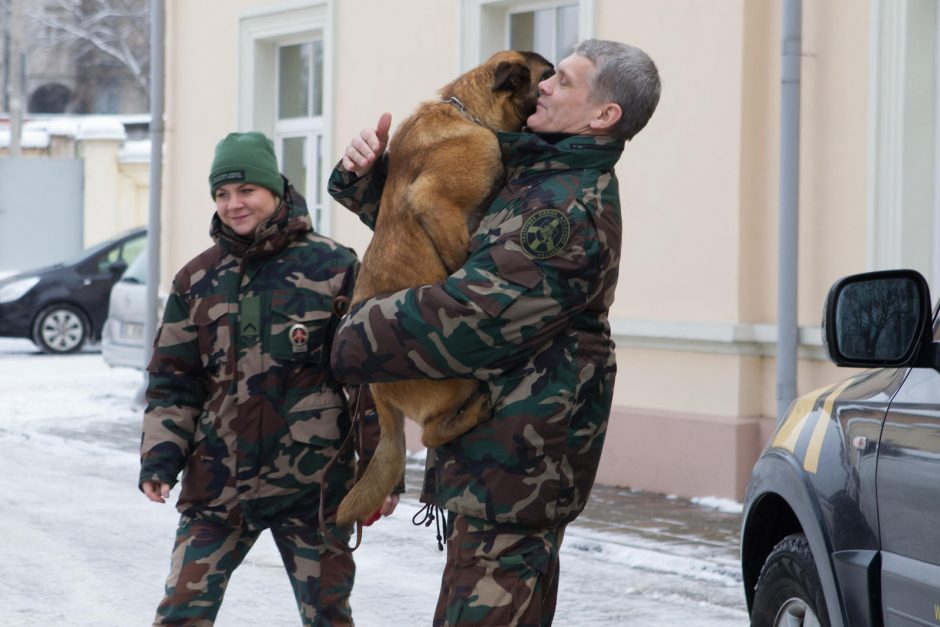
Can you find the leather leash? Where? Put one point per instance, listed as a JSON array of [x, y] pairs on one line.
[[328, 535]]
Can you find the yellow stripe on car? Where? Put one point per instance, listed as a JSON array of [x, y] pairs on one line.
[[789, 433], [811, 461], [799, 417]]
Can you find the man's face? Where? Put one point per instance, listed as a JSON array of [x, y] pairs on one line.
[[563, 105], [243, 206]]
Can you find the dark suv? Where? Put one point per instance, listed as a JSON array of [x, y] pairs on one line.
[[63, 306], [842, 516]]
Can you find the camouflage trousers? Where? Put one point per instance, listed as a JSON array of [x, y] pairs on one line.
[[498, 574], [205, 554]]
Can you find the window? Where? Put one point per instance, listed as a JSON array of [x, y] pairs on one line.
[[298, 131], [283, 73], [107, 97], [904, 166], [552, 32], [549, 27]]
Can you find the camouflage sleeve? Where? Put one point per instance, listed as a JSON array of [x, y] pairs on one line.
[[360, 194], [175, 395], [491, 315]]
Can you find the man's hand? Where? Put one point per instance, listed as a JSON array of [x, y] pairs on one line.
[[364, 150], [156, 491], [391, 502]]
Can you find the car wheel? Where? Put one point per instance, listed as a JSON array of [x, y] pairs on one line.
[[788, 592], [60, 329]]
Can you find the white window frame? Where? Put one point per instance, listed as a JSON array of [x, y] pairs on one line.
[[484, 25], [903, 201], [261, 33], [530, 7]]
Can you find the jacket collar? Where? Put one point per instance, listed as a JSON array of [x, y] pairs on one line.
[[558, 151]]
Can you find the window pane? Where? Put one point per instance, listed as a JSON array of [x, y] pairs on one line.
[[317, 78], [544, 33], [567, 30], [552, 33], [293, 81], [294, 161], [132, 249], [521, 31]]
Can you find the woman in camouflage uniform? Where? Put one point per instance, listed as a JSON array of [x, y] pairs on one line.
[[527, 315], [241, 398]]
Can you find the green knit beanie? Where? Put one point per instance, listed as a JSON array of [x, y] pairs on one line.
[[246, 158]]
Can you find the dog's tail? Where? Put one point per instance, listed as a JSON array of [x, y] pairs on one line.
[[382, 474]]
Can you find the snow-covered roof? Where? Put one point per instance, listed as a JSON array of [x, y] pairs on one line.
[[28, 139], [101, 127]]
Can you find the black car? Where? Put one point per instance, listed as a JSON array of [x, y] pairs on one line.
[[63, 306], [842, 515]]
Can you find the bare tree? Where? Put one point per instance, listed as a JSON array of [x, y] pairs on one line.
[[107, 38]]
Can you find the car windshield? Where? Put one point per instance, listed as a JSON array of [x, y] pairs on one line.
[[137, 271]]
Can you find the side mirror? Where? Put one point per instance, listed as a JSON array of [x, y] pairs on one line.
[[117, 268], [877, 319]]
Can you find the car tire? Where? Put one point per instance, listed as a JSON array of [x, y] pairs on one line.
[[60, 329], [788, 591]]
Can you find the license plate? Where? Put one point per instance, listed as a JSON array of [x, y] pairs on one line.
[[132, 330]]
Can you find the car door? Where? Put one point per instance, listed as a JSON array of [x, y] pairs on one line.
[[98, 275], [908, 488]]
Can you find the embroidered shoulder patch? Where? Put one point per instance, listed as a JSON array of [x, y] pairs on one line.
[[545, 233]]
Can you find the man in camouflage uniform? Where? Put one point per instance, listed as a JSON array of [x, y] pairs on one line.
[[241, 398], [527, 315]]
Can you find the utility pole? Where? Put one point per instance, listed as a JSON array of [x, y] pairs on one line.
[[157, 84], [16, 76], [5, 102]]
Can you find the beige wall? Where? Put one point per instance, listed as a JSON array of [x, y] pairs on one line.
[[201, 69], [115, 190], [695, 389], [391, 62]]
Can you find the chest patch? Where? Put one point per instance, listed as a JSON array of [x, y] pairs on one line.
[[298, 337], [545, 233]]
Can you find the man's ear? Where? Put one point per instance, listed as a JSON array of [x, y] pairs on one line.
[[606, 117]]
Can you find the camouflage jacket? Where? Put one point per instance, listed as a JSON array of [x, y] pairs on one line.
[[527, 315], [241, 398]]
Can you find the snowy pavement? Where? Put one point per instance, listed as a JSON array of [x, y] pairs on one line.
[[79, 544]]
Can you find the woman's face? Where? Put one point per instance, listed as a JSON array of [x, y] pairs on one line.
[[244, 206]]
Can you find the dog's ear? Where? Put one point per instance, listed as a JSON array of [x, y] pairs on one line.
[[510, 76]]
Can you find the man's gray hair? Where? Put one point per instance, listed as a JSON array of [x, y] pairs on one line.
[[624, 75]]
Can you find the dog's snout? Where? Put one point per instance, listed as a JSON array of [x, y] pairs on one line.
[[547, 73]]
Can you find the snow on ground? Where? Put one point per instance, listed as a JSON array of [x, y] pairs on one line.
[[79, 544], [722, 505]]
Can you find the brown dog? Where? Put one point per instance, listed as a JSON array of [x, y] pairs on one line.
[[444, 167]]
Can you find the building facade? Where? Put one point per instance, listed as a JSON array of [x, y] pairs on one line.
[[695, 313]]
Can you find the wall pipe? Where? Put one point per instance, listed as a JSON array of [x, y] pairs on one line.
[[787, 330]]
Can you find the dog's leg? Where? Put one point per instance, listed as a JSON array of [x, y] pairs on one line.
[[384, 470], [442, 208], [444, 427]]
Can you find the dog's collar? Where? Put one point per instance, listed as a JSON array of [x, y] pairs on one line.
[[454, 100]]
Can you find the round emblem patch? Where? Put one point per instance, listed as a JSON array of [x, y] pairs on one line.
[[545, 233], [298, 336]]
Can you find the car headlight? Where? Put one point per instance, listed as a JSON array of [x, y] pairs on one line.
[[15, 290]]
